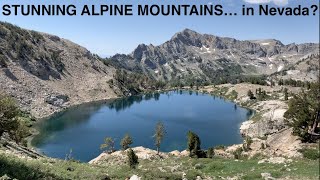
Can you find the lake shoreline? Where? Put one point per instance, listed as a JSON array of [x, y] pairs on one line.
[[36, 132]]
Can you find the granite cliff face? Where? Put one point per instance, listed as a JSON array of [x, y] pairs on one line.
[[46, 73], [189, 54]]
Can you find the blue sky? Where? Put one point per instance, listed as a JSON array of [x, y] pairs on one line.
[[106, 35]]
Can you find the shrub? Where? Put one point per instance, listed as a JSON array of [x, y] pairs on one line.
[[247, 143], [201, 154], [210, 153], [110, 81], [3, 62], [57, 61], [3, 32], [8, 115], [194, 144], [132, 158], [237, 153], [21, 132]]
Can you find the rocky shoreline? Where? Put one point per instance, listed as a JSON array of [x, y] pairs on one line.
[[270, 135]]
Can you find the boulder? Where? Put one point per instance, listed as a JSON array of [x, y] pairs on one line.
[[57, 100], [175, 153], [135, 177], [266, 176]]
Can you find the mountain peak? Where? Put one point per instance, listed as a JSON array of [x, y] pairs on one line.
[[187, 31], [186, 34]]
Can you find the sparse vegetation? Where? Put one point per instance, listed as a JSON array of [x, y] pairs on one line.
[[261, 94], [126, 141], [218, 167], [134, 83], [232, 95], [295, 83]]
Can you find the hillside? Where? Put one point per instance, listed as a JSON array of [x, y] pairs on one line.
[[46, 73], [152, 167], [306, 69], [191, 55]]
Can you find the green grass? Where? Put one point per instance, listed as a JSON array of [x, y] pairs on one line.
[[171, 168], [309, 153]]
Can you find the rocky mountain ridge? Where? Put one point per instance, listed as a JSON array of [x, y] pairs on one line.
[[189, 54]]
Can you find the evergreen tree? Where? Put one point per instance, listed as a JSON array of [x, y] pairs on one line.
[[126, 141], [8, 115], [250, 94], [193, 144], [109, 144], [304, 114], [132, 158], [285, 94], [159, 135], [280, 82]]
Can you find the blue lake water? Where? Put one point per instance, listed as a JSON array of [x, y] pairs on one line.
[[83, 128]]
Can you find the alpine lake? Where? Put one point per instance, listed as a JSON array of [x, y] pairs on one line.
[[80, 130]]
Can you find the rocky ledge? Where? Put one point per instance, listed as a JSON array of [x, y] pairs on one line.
[[142, 153]]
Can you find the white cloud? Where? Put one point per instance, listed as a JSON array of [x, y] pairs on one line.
[[276, 2]]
